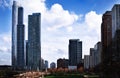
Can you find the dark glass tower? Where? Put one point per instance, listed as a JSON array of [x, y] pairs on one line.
[[14, 33], [34, 41], [20, 40], [75, 52]]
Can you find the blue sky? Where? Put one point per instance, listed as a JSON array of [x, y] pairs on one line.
[[83, 6], [61, 20]]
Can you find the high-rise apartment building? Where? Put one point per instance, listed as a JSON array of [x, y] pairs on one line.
[[20, 40], [14, 33], [75, 52], [34, 41]]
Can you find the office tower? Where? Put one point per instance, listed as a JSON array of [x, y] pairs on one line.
[[26, 52], [20, 40], [62, 63], [116, 32], [106, 37], [115, 19], [34, 41], [52, 65], [14, 33], [46, 64], [98, 49], [75, 52], [86, 61], [92, 57]]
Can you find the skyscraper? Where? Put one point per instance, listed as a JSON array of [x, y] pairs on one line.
[[115, 19], [34, 41], [75, 52], [86, 61], [106, 38], [20, 40], [46, 64], [26, 52], [14, 33]]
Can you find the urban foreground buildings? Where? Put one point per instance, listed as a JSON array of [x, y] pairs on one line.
[[106, 57], [34, 41], [75, 52], [111, 42]]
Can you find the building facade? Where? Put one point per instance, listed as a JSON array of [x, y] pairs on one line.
[[34, 41], [75, 52], [20, 40]]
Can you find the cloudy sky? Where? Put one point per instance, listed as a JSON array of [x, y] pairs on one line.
[[61, 20]]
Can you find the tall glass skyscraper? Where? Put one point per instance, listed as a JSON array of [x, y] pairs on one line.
[[20, 40], [14, 33], [75, 52], [34, 41]]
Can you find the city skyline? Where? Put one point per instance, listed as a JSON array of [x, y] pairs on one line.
[[56, 31]]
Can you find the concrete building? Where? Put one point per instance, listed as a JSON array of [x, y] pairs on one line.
[[52, 65], [34, 41], [20, 40], [14, 33], [75, 52], [62, 63]]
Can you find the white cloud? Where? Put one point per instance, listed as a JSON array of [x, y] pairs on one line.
[[93, 21], [57, 17], [58, 26], [5, 49], [5, 45], [5, 3]]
